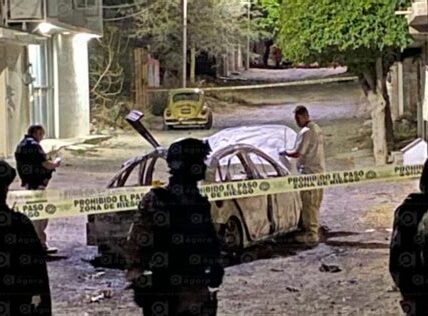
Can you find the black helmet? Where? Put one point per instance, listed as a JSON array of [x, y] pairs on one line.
[[7, 174], [187, 152]]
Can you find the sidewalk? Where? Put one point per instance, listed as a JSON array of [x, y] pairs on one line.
[[54, 146]]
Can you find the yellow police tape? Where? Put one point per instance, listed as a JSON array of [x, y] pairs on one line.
[[59, 204]]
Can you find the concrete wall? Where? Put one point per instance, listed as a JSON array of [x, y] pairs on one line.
[[71, 91], [65, 11], [230, 62], [409, 93], [415, 153], [411, 67], [14, 97], [71, 79]]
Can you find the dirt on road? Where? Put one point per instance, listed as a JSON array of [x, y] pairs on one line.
[[276, 279]]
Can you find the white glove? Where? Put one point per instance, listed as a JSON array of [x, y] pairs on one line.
[[36, 300]]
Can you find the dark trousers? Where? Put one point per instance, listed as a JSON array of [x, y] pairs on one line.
[[186, 302], [415, 306], [41, 224]]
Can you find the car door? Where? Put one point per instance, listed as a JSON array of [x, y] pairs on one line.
[[109, 231], [233, 166], [285, 207]]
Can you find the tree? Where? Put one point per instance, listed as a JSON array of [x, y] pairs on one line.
[[106, 74], [213, 27], [268, 23], [270, 16], [364, 35]]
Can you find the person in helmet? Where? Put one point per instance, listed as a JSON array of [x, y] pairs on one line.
[[173, 252], [24, 289]]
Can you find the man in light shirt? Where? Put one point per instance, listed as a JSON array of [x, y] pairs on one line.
[[309, 152]]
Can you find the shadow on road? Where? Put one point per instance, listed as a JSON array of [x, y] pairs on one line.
[[280, 247], [284, 246]]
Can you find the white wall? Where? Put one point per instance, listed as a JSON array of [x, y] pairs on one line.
[[415, 153], [14, 102], [71, 77]]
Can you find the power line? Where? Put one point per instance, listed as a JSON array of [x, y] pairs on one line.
[[124, 6]]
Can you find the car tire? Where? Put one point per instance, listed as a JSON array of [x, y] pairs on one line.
[[209, 124], [233, 236]]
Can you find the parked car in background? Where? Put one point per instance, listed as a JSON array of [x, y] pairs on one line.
[[187, 108]]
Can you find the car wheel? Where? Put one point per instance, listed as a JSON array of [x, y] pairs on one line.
[[209, 124], [233, 240]]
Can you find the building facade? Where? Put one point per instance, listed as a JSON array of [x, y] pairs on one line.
[[44, 75], [418, 27]]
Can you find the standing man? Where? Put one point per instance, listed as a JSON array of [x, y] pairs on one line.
[[309, 151], [35, 171], [408, 255], [173, 250], [24, 286]]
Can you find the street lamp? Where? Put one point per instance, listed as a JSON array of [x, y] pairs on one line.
[[184, 43], [247, 61]]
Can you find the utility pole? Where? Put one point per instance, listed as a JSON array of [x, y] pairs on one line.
[[247, 61], [184, 43]]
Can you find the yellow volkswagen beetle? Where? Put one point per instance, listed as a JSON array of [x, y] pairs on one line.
[[187, 108]]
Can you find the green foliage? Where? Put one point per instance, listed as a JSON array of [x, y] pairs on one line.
[[350, 32], [213, 26], [270, 16]]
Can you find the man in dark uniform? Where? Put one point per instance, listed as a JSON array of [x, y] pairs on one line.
[[35, 171], [408, 259], [173, 252], [24, 283]]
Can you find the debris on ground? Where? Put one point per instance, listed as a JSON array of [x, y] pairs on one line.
[[393, 289], [99, 273], [330, 268], [97, 298], [276, 270], [292, 289], [101, 295], [82, 148]]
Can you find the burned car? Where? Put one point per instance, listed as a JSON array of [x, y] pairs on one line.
[[240, 222]]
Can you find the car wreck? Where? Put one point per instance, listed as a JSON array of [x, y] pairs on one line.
[[240, 223]]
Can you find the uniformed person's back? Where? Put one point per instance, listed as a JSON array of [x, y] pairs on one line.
[[173, 250], [24, 287], [35, 171]]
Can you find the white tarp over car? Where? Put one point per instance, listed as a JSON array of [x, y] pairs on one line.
[[270, 139]]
